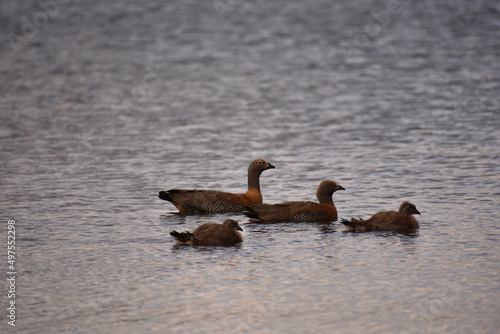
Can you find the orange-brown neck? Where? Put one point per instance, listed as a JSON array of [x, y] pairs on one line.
[[252, 196], [331, 210]]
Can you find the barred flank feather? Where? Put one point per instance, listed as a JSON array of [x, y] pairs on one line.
[[308, 216], [220, 206]]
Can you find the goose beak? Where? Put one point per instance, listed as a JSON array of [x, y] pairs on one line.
[[269, 166], [341, 188]]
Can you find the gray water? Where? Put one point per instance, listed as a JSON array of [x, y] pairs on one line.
[[104, 104]]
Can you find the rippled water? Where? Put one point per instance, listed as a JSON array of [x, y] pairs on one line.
[[103, 105]]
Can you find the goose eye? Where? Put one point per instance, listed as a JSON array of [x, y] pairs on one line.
[[260, 162]]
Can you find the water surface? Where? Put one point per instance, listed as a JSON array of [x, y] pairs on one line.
[[108, 103]]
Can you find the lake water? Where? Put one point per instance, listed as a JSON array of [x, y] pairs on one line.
[[104, 104]]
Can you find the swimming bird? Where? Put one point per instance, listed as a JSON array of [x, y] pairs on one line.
[[225, 234], [299, 211], [387, 220], [211, 201]]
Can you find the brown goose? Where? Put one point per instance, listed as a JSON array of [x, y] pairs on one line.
[[225, 234], [212, 201], [300, 211], [387, 220]]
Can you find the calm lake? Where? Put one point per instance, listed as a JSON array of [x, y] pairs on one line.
[[103, 104]]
